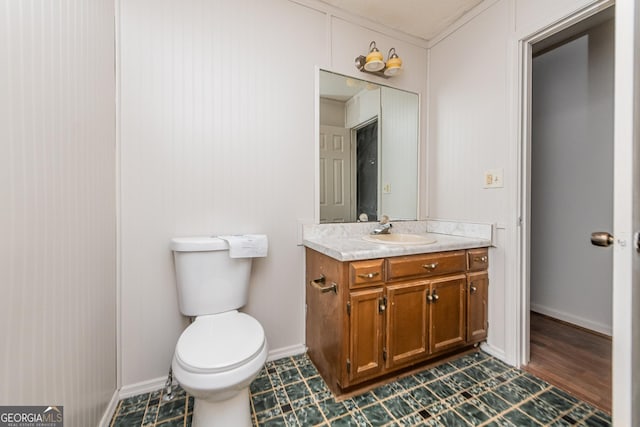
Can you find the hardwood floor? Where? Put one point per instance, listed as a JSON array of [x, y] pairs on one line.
[[571, 358]]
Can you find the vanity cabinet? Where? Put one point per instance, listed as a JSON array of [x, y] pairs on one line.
[[369, 318]]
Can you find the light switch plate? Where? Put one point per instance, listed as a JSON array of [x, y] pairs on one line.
[[493, 178]]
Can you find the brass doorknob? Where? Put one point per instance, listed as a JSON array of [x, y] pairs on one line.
[[601, 238]]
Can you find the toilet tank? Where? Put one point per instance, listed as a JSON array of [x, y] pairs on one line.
[[208, 280]]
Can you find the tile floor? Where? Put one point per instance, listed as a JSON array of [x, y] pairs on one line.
[[473, 390]]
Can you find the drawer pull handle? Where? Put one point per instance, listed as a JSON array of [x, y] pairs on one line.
[[369, 275], [431, 266], [483, 259], [317, 283]]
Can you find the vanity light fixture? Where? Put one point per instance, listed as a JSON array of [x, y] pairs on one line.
[[373, 63]]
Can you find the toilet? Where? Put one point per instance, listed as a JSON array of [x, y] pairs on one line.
[[222, 351]]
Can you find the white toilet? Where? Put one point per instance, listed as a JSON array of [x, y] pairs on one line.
[[223, 350]]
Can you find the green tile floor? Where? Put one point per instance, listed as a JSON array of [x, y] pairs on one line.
[[473, 390]]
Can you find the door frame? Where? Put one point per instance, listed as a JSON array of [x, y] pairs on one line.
[[626, 219], [525, 61], [524, 81]]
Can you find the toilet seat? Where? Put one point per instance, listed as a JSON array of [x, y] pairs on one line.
[[219, 343]]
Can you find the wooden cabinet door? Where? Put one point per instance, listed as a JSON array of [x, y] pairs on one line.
[[477, 291], [365, 334], [447, 312], [407, 333]]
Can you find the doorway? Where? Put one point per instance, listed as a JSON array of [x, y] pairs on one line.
[[367, 170], [571, 195]]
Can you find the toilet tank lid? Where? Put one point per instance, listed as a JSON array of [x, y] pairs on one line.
[[200, 243]]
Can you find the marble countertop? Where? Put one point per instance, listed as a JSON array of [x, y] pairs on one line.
[[352, 248]]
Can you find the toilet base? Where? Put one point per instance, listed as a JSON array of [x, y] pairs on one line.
[[231, 412]]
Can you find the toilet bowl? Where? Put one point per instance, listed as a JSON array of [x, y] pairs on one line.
[[216, 359], [223, 350]]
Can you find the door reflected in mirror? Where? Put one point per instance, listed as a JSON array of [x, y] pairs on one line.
[[368, 150]]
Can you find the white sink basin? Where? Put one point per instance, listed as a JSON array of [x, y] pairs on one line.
[[400, 239]]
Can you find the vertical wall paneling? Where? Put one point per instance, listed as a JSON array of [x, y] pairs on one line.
[[531, 16], [218, 136], [468, 134], [466, 119], [399, 124], [57, 175]]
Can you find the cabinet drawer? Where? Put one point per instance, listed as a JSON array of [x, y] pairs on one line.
[[426, 265], [365, 273], [478, 259]]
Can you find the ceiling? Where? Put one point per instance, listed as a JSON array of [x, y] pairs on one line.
[[420, 18]]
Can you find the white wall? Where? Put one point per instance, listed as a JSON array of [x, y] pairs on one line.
[[218, 135], [572, 180], [362, 107], [473, 97], [57, 221], [332, 112], [399, 123]]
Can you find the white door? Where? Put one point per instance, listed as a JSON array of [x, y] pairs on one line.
[[626, 219], [335, 175]]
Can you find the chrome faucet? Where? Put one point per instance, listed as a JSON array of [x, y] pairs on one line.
[[384, 227]]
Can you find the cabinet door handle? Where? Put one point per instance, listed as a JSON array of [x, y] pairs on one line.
[[429, 298], [369, 275], [435, 296], [472, 289], [483, 259], [382, 304], [317, 283], [431, 266]]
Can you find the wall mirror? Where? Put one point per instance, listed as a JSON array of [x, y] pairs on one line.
[[368, 150]]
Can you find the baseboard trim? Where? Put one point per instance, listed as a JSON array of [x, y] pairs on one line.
[[495, 352], [129, 391], [142, 387], [111, 409], [574, 320], [292, 350]]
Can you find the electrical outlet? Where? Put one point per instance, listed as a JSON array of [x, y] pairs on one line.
[[493, 178]]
